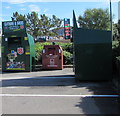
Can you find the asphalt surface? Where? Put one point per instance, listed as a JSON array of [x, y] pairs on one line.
[[56, 92]]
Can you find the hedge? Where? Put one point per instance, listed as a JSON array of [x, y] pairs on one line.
[[116, 58]]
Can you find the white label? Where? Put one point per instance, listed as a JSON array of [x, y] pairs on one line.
[[43, 51], [6, 39], [51, 61], [13, 23], [59, 50], [52, 65]]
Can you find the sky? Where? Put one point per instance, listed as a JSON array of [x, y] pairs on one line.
[[119, 10], [61, 8]]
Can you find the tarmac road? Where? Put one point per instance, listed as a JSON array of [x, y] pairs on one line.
[[56, 92]]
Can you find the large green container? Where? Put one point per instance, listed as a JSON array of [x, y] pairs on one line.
[[18, 49], [93, 54]]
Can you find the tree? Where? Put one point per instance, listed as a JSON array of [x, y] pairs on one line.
[[36, 26], [46, 25], [115, 31], [95, 19], [18, 17], [33, 24], [56, 21], [119, 28]]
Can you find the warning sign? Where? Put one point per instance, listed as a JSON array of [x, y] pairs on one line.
[[20, 51]]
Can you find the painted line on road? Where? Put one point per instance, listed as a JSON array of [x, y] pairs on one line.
[[7, 78], [39, 95]]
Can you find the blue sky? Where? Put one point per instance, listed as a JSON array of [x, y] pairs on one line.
[[60, 9]]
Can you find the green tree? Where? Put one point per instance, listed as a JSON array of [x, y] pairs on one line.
[[56, 21], [18, 17], [33, 24], [119, 28], [36, 26], [115, 31], [95, 19], [46, 25]]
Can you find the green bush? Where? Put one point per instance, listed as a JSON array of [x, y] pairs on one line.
[[118, 58], [116, 48], [115, 44], [67, 52], [66, 47], [115, 56], [68, 57]]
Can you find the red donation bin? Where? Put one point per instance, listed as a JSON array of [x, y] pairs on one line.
[[52, 57]]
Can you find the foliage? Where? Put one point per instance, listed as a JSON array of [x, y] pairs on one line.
[[118, 58], [95, 19], [115, 56], [116, 49], [116, 31], [68, 57], [67, 52], [36, 26], [38, 52], [115, 44], [119, 28], [33, 24], [18, 17], [66, 47]]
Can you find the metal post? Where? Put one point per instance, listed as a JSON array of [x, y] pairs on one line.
[[111, 20]]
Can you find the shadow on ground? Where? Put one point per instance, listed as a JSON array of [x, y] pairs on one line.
[[57, 80], [100, 106]]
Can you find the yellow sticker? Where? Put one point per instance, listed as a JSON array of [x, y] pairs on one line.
[[15, 68], [27, 53], [25, 38], [13, 36], [16, 30]]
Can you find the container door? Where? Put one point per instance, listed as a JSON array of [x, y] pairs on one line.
[[15, 54]]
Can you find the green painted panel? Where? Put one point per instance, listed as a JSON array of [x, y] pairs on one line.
[[84, 36], [32, 49], [93, 61]]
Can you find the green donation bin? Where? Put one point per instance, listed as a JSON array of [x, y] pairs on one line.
[[18, 50], [93, 53]]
